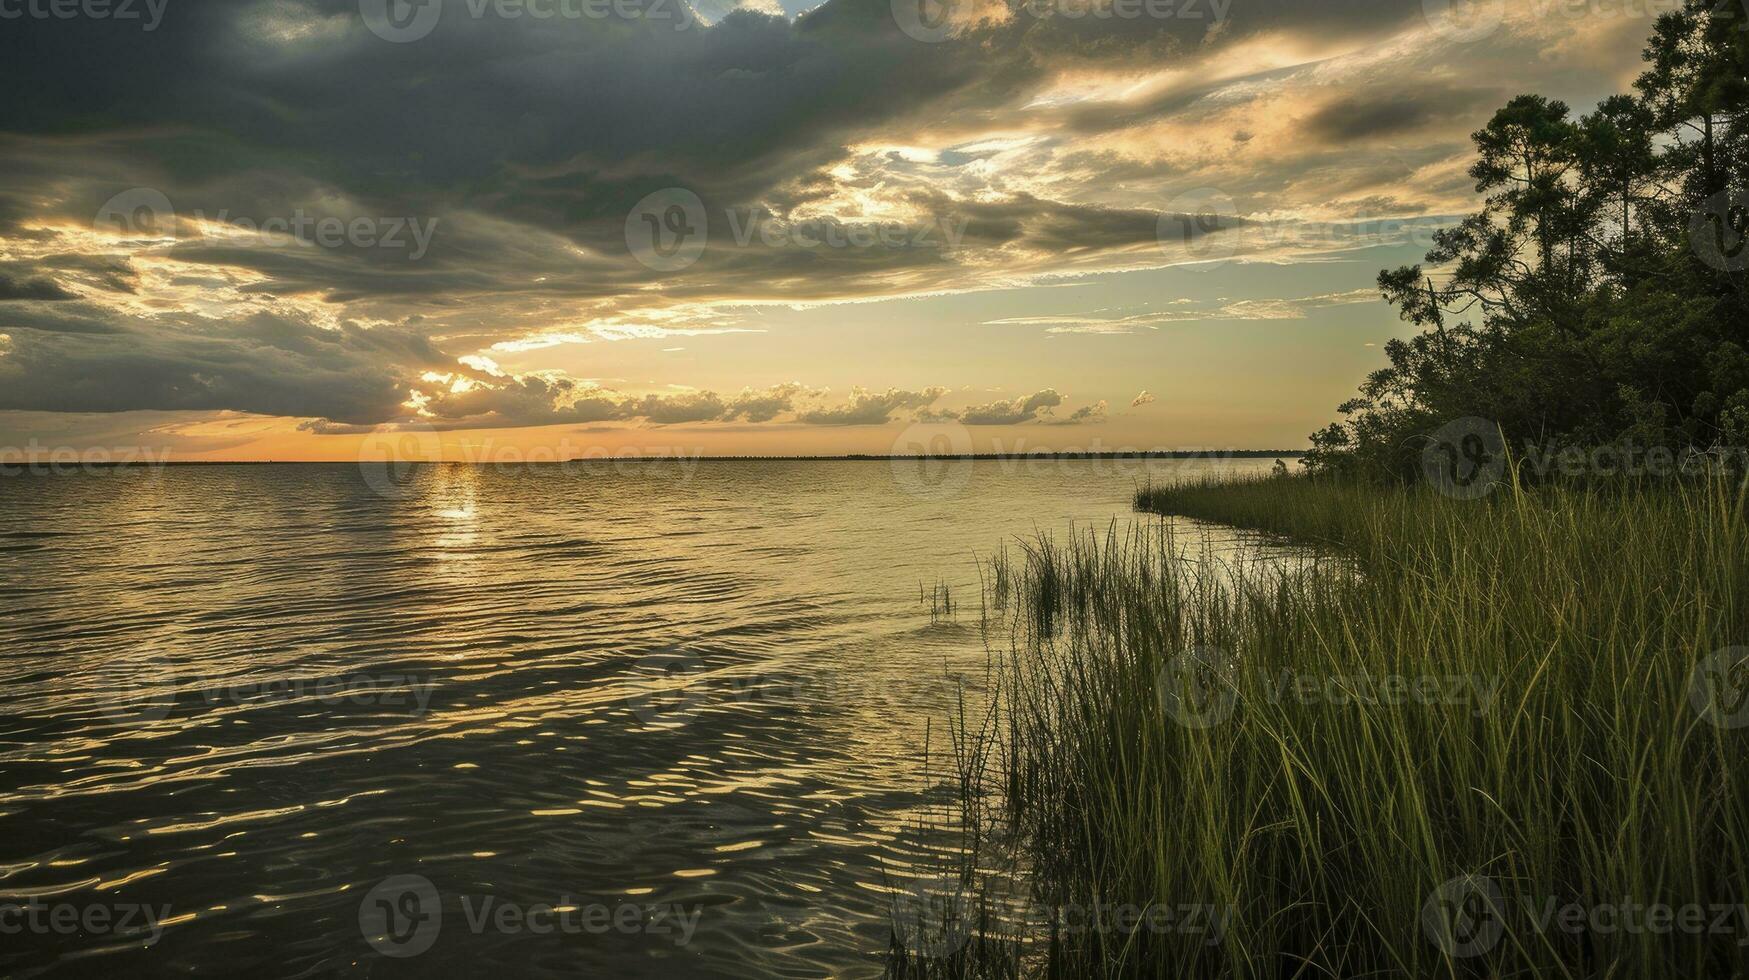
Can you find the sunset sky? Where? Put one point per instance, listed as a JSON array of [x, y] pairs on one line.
[[254, 229]]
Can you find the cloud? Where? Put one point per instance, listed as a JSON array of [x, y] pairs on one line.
[[77, 358], [1119, 322], [1142, 399], [869, 407], [1394, 110], [1037, 407], [763, 406], [1085, 415], [1027, 409], [1017, 150], [82, 357], [755, 113], [42, 290], [459, 401]]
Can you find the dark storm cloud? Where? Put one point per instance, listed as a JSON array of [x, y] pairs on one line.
[[559, 123], [81, 357], [1369, 114], [265, 365], [553, 122], [100, 272], [38, 289], [68, 318], [522, 143]]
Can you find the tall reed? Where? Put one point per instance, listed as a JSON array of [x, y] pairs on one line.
[[1431, 751]]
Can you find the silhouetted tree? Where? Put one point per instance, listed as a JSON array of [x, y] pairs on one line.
[[1600, 294]]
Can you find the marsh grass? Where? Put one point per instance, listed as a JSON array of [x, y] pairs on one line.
[[939, 599], [1172, 732]]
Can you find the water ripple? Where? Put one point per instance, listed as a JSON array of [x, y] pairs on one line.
[[245, 696]]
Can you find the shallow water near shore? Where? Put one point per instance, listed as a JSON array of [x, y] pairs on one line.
[[243, 698]]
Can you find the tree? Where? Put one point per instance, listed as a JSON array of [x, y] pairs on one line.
[[1585, 303]]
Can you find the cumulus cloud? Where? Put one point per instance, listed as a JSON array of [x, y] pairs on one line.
[[1015, 411], [462, 401], [763, 406], [1085, 415], [870, 407]]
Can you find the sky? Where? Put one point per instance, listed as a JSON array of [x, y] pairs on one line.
[[286, 229]]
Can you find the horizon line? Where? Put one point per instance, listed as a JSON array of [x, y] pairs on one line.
[[844, 457]]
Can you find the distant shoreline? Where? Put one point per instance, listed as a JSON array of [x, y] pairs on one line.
[[847, 458]]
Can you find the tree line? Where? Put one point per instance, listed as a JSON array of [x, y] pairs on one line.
[[1601, 294]]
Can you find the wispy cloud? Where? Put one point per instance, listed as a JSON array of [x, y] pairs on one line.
[[1098, 322]]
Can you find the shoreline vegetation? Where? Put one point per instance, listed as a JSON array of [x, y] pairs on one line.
[[1472, 738], [1495, 723]]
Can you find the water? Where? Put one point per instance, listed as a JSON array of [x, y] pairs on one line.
[[684, 705]]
